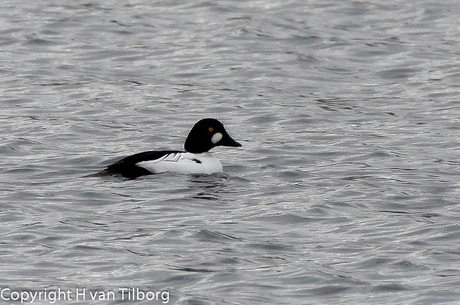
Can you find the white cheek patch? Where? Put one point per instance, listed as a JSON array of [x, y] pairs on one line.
[[216, 138]]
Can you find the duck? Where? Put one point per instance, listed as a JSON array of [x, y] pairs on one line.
[[194, 159]]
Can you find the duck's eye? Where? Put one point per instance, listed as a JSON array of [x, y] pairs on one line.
[[211, 129]]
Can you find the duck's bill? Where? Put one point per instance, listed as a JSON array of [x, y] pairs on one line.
[[228, 141]]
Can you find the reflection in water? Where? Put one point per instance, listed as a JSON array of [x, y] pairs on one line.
[[208, 186]]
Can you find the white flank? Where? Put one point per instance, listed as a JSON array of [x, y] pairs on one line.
[[184, 163]]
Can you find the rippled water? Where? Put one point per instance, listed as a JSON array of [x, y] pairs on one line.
[[346, 189]]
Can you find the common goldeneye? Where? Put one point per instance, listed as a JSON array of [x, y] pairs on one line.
[[196, 159]]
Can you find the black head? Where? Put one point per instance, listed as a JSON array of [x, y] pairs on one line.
[[207, 134]]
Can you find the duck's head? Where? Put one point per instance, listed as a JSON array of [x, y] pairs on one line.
[[206, 134]]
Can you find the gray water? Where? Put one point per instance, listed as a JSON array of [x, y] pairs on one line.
[[346, 189]]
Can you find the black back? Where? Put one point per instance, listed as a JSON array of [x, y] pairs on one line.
[[127, 167]]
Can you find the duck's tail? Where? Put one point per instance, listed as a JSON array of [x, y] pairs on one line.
[[103, 173]]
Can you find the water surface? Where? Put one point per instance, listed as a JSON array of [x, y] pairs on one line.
[[345, 190]]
